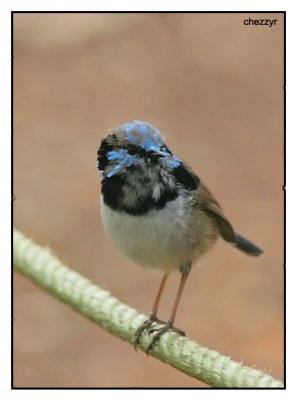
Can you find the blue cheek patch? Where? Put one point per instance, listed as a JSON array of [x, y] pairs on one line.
[[123, 160], [171, 162]]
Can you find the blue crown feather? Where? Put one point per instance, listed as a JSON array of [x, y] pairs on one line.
[[143, 134]]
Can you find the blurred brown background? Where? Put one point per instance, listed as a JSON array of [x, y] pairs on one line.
[[214, 87]]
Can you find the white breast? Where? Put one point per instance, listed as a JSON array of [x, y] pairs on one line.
[[158, 239]]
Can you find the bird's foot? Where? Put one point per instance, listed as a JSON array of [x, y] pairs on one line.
[[158, 331], [145, 326]]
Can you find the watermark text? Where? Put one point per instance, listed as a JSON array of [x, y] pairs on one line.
[[265, 22]]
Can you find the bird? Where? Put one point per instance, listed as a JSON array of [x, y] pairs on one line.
[[158, 212]]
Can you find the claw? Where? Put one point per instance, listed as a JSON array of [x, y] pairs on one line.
[[146, 325], [157, 336], [158, 331], [152, 330]]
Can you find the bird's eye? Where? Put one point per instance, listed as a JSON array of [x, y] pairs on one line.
[[166, 150], [135, 150]]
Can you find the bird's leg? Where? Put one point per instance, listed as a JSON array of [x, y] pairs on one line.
[[153, 317], [185, 270]]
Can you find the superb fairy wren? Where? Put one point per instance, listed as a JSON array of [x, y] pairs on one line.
[[157, 211]]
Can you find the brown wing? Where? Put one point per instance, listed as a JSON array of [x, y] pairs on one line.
[[210, 205]]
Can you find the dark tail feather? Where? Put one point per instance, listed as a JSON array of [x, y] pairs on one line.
[[247, 246]]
